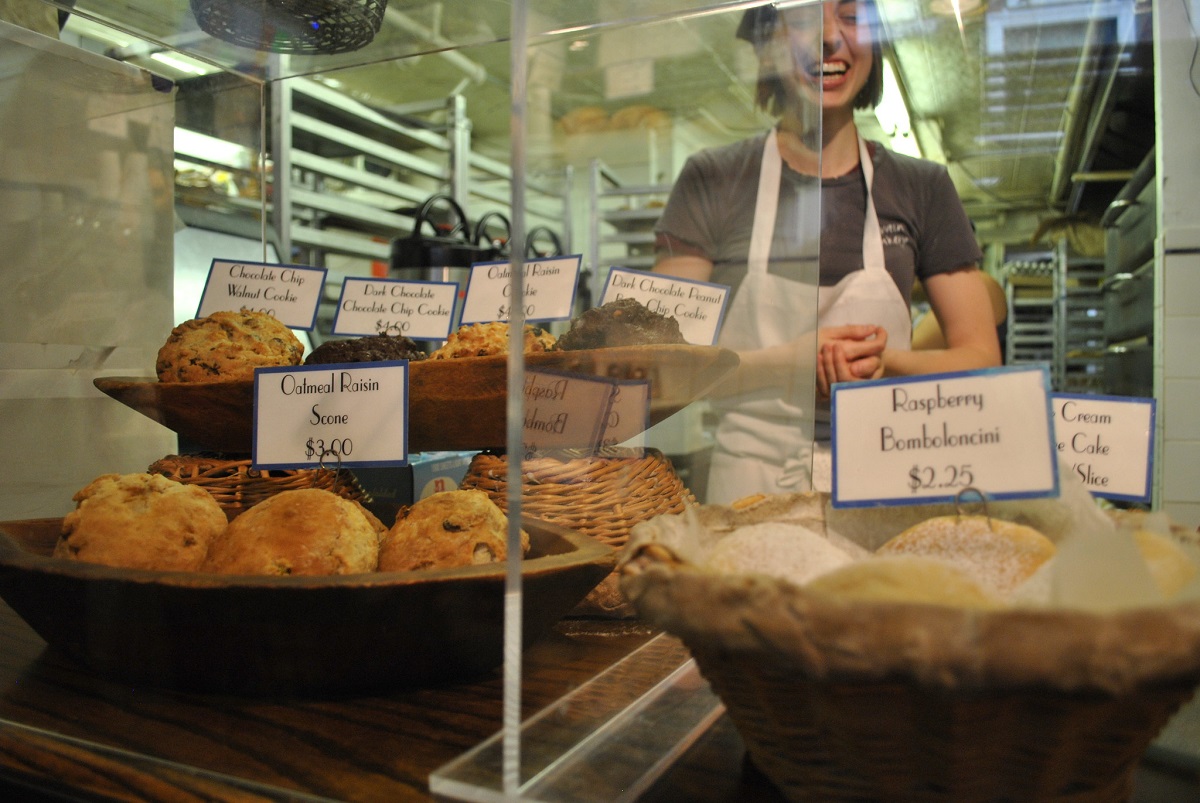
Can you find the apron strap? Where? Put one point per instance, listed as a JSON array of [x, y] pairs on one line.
[[872, 234], [762, 233]]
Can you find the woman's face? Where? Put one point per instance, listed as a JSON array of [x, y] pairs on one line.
[[824, 51]]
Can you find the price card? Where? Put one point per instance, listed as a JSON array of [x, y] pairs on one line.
[[629, 415], [565, 411], [348, 415], [420, 310], [549, 288], [926, 439], [699, 307], [289, 293], [1108, 441]]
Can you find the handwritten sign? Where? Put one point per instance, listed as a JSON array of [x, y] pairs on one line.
[[564, 411], [549, 288], [1108, 441], [699, 307], [420, 310], [289, 293], [927, 439], [352, 415]]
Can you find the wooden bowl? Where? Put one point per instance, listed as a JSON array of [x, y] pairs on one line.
[[286, 636], [453, 404]]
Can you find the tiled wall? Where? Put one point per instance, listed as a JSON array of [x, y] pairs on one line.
[[1177, 319]]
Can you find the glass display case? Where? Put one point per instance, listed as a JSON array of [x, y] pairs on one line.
[[142, 140]]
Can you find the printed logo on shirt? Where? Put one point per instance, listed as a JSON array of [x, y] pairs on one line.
[[895, 234]]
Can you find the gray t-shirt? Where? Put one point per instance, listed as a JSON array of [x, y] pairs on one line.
[[710, 212]]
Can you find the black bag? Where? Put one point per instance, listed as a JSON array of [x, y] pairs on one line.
[[448, 247], [532, 251]]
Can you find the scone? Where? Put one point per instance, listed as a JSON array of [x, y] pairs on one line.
[[447, 529], [226, 346], [997, 554], [486, 339], [141, 521], [308, 531], [905, 578], [374, 348]]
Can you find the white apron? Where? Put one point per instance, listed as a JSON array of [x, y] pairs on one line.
[[764, 443]]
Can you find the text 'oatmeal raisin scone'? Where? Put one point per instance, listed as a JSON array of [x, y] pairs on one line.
[[306, 531], [446, 530], [141, 521], [226, 346]]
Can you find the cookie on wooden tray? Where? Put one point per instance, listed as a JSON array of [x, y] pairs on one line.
[[226, 346], [307, 531], [373, 348], [624, 322], [141, 521], [486, 339], [447, 530]]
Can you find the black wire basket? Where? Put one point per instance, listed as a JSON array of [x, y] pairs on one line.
[[316, 27]]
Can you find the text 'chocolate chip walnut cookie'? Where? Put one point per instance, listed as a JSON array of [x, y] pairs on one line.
[[226, 346]]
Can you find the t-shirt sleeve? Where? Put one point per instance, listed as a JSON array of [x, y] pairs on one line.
[[946, 241], [686, 218]]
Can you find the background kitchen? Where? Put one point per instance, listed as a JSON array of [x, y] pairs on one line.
[[1059, 120]]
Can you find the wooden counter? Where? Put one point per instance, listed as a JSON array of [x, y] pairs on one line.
[[65, 731]]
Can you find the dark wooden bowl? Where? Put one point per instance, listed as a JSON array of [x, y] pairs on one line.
[[285, 636], [452, 404]]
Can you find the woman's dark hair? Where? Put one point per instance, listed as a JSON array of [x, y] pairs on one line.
[[757, 27]]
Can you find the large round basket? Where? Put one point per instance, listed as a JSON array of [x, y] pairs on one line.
[[839, 700], [599, 494], [238, 486]]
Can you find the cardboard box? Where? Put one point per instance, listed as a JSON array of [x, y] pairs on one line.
[[426, 473]]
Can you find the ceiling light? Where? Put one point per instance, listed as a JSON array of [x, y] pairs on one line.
[[955, 8]]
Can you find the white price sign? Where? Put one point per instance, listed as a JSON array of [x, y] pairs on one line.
[[288, 293], [698, 307], [565, 411], [927, 439], [350, 415], [1108, 441], [420, 310], [549, 287]]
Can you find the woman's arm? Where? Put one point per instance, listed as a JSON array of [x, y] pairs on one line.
[[965, 314]]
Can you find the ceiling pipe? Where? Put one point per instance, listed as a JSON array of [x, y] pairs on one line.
[[475, 71], [1077, 138]]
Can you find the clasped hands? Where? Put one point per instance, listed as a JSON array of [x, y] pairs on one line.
[[848, 353]]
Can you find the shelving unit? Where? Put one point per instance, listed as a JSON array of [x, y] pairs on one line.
[[1032, 309], [622, 215], [1079, 355]]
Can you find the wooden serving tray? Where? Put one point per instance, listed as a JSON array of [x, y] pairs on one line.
[[453, 404]]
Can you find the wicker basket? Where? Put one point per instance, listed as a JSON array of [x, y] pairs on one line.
[[309, 27], [237, 486], [840, 700], [601, 495]]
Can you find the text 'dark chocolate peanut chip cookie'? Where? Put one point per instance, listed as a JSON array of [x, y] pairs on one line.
[[446, 530], [226, 346], [141, 521]]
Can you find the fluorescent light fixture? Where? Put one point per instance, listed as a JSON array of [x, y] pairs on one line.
[[181, 64], [892, 114]]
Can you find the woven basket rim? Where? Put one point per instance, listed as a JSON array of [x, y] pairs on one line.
[[773, 621], [768, 619]]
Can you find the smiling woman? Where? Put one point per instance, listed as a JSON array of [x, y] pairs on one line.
[[811, 218]]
